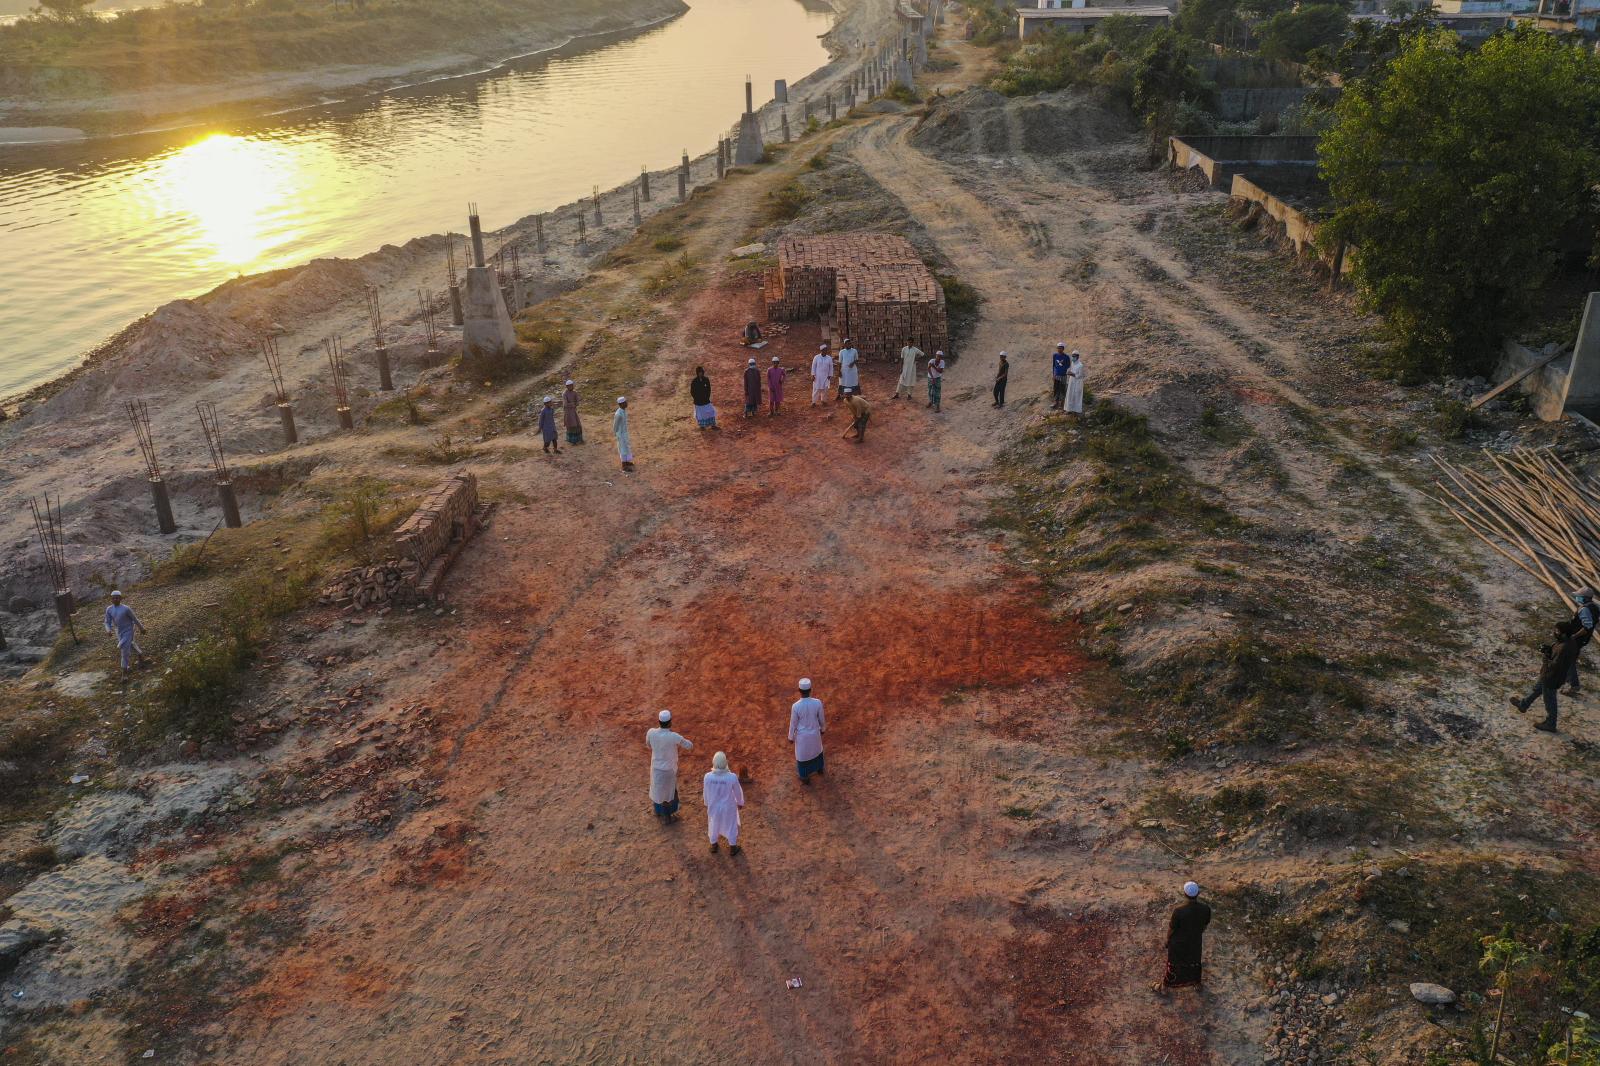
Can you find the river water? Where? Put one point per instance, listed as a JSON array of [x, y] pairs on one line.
[[94, 234]]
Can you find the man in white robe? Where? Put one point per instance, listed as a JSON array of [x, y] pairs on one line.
[[806, 726], [723, 796], [1075, 375], [821, 375], [908, 370], [619, 427], [849, 371], [664, 745]]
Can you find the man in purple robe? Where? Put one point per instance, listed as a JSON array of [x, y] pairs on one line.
[[775, 376], [752, 389]]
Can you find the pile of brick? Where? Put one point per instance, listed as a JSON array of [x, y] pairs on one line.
[[381, 585], [429, 542], [881, 294], [445, 513]]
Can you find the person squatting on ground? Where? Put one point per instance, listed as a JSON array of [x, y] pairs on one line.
[[1059, 363], [569, 414], [821, 374], [936, 381], [619, 427], [849, 370], [860, 413], [1559, 657], [752, 388], [806, 726], [705, 416], [664, 744], [775, 379], [1185, 936], [547, 425], [1581, 626], [121, 620], [908, 370], [723, 796], [1001, 373]]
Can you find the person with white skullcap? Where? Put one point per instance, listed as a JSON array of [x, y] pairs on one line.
[[776, 376], [821, 374], [619, 428], [936, 366], [752, 388], [807, 723], [1185, 934], [849, 372], [908, 369], [723, 796], [664, 744], [121, 620], [1075, 375], [1060, 363], [569, 413], [547, 425]]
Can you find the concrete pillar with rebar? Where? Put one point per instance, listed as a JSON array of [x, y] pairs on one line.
[[488, 328]]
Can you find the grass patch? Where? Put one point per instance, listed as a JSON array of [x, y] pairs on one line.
[[787, 202], [902, 94], [671, 278], [960, 299], [667, 243]]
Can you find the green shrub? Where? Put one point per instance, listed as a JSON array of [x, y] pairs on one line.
[[788, 202], [668, 243], [959, 297]]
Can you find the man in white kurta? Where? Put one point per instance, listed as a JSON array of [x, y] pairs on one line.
[[619, 426], [908, 370], [723, 797], [664, 746], [1075, 376], [821, 375], [806, 726], [849, 372]]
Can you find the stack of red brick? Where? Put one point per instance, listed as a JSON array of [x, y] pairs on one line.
[[882, 295], [448, 511]]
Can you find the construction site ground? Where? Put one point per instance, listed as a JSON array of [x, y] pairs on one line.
[[435, 843]]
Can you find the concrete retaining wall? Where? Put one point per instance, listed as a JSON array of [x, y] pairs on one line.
[[1546, 389], [1243, 105], [1297, 226], [1220, 158]]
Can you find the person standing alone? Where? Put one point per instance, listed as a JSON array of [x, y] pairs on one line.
[[1186, 940], [908, 370], [619, 428], [723, 796], [806, 726], [1001, 373], [121, 620]]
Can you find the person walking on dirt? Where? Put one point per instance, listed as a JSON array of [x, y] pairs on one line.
[[705, 416], [1075, 376], [547, 425], [1185, 936], [776, 376], [723, 796], [1581, 626], [619, 428], [1059, 363], [569, 414], [1559, 657], [121, 620], [806, 726], [936, 381], [664, 746], [860, 412], [908, 370], [752, 388], [849, 371], [821, 374], [1001, 372]]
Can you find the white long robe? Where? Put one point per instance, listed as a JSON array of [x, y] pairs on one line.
[[619, 426], [806, 725], [1075, 375], [908, 366], [664, 746], [723, 797], [821, 373], [849, 374]]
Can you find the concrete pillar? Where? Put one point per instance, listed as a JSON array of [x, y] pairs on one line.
[[644, 185], [455, 304], [903, 74], [488, 326], [805, 109], [519, 295], [477, 240], [286, 418], [833, 109], [749, 96], [538, 235], [346, 419], [683, 183], [66, 603], [722, 157], [598, 220], [583, 232], [385, 377], [230, 505], [780, 91], [638, 219], [163, 501], [751, 149], [1583, 383], [785, 115]]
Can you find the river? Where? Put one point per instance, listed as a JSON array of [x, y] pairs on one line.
[[96, 233]]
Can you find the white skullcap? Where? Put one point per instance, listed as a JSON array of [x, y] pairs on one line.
[[805, 683], [1002, 353], [549, 399], [116, 592], [774, 359], [571, 382], [622, 399], [824, 344], [1191, 889], [1076, 352], [664, 717], [720, 760], [1061, 344], [752, 360], [938, 353], [847, 340]]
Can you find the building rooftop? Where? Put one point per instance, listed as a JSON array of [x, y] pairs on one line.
[[1092, 12]]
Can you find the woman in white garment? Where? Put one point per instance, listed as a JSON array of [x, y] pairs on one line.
[[723, 797], [619, 426], [1075, 375]]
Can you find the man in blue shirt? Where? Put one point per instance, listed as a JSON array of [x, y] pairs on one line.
[[121, 620], [1059, 364]]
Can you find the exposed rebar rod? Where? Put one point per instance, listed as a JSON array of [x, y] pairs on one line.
[[334, 349], [375, 316], [47, 523], [450, 256], [429, 325], [213, 431], [269, 352], [139, 415]]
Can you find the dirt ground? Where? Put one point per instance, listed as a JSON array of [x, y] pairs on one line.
[[447, 853]]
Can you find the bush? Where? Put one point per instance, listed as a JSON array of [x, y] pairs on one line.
[[669, 243], [788, 202], [959, 297], [900, 94]]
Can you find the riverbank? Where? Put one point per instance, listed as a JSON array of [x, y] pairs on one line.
[[86, 101]]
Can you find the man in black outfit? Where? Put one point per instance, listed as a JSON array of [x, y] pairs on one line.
[[1184, 940], [1581, 626], [1001, 373], [1559, 657]]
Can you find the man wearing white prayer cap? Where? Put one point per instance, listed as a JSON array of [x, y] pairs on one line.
[[1060, 363], [547, 425], [821, 374], [619, 428], [664, 744], [121, 620], [1184, 940], [806, 726], [723, 796], [752, 388]]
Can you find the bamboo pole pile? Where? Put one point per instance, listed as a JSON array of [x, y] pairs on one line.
[[1534, 511]]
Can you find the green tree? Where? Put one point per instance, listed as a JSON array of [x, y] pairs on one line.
[[1502, 954], [1369, 47], [1166, 79], [63, 10], [1454, 172], [1293, 35], [1209, 20]]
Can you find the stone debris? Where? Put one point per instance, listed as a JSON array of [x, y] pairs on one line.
[[392, 582], [1431, 994]]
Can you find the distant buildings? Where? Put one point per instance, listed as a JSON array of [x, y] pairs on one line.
[[1078, 16]]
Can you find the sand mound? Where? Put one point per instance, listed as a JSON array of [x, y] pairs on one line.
[[1067, 120], [983, 122]]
